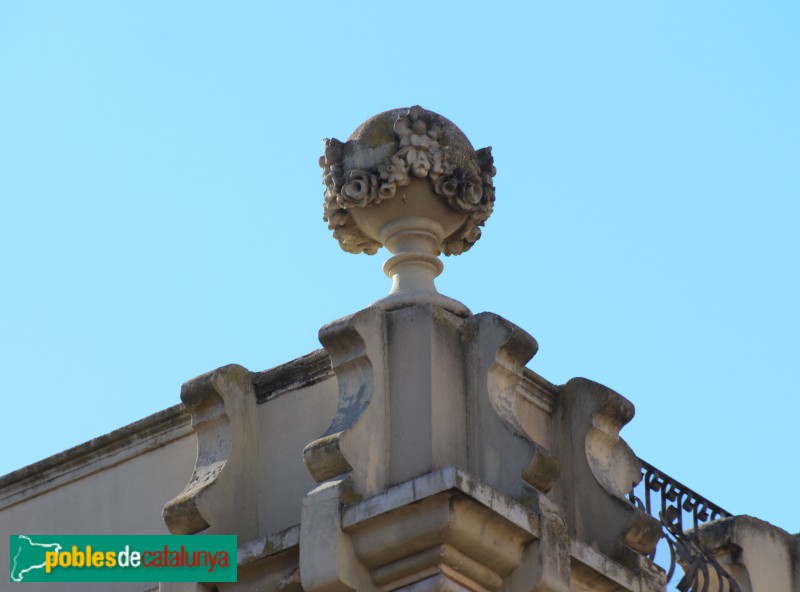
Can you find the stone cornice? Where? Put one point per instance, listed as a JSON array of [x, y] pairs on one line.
[[95, 455], [301, 372], [146, 434]]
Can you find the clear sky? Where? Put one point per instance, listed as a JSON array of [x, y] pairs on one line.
[[160, 203]]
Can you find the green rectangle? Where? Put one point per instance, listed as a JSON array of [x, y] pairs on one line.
[[123, 558]]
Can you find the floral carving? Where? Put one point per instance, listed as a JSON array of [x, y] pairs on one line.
[[361, 189], [463, 180], [344, 229]]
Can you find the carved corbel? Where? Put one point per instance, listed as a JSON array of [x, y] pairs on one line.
[[356, 441], [222, 494], [603, 469], [504, 452]]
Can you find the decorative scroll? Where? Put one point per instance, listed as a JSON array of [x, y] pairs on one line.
[[681, 511]]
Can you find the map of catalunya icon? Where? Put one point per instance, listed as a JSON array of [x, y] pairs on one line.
[[28, 556]]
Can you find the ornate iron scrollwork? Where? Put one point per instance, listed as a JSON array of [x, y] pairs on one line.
[[681, 511]]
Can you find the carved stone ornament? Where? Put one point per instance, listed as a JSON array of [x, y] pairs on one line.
[[386, 154]]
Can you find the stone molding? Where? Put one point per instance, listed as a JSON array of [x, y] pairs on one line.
[[591, 570], [302, 372], [441, 531], [96, 455], [268, 563], [445, 530]]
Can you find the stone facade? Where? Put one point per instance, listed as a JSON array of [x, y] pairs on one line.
[[414, 452]]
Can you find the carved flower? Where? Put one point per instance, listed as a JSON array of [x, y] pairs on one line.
[[419, 162], [446, 187], [468, 197], [472, 235], [396, 171], [411, 126], [333, 150], [464, 192], [331, 163], [419, 147], [359, 190], [423, 161], [419, 136], [472, 193], [386, 191]]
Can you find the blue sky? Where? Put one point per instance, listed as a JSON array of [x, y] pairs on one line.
[[161, 212]]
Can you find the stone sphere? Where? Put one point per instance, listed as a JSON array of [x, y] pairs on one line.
[[376, 138]]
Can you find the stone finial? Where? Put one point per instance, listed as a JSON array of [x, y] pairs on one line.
[[409, 180]]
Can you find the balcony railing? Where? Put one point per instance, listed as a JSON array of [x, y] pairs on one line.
[[681, 511]]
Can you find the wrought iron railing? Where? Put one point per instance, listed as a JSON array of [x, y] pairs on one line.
[[681, 511]]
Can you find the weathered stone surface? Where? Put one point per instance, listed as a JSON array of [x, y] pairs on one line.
[[443, 530], [757, 554], [268, 564], [357, 439], [505, 450], [287, 423], [602, 469], [222, 494], [591, 571], [114, 484], [422, 389], [137, 439], [303, 372], [327, 560]]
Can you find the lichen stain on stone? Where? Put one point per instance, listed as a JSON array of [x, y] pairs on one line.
[[377, 130], [349, 497]]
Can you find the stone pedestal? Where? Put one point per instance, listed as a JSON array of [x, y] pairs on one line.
[[435, 471]]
